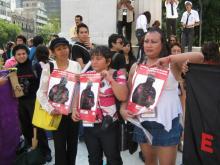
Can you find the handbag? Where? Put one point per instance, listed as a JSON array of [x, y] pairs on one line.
[[32, 157], [126, 136], [43, 119]]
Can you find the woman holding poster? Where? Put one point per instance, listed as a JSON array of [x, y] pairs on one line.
[[102, 135], [164, 127], [66, 136]]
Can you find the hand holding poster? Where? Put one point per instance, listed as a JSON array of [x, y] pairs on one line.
[[89, 89], [146, 89], [60, 91]]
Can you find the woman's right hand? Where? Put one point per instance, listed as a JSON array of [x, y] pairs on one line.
[[55, 112], [126, 114], [75, 115], [185, 67]]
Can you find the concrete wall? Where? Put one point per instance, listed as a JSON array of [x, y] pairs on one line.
[[100, 16]]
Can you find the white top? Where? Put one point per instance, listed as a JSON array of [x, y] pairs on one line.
[[141, 23], [169, 105], [73, 67], [169, 11], [193, 18]]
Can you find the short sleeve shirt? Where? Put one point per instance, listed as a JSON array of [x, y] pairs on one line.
[[193, 17]]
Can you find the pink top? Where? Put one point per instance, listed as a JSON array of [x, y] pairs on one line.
[[10, 63], [106, 99]]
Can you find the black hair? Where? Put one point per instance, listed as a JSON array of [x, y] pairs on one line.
[[101, 50], [42, 53], [113, 38], [22, 37], [18, 47], [80, 17], [37, 40], [164, 51], [210, 51], [81, 25], [58, 41], [126, 42], [148, 16], [9, 45]]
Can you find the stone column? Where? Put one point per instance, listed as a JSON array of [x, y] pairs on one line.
[[100, 16]]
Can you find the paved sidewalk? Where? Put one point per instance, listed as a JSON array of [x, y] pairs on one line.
[[127, 158]]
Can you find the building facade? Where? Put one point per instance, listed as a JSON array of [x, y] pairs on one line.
[[53, 8], [27, 24], [35, 9], [5, 10]]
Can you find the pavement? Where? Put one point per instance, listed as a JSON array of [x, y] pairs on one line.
[[82, 156]]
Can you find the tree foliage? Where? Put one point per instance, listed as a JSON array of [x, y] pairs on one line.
[[8, 32], [53, 27]]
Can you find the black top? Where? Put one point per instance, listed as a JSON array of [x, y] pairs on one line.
[[27, 79], [132, 60], [79, 50], [118, 62]]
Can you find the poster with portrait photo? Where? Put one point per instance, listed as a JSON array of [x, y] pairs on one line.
[[61, 89], [88, 96], [147, 86]]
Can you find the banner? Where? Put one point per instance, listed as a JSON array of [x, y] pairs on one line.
[[146, 89], [202, 120], [89, 90], [60, 90]]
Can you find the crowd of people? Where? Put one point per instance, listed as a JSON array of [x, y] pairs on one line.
[[117, 65]]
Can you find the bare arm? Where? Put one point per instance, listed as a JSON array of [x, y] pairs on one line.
[[129, 6], [178, 60], [120, 90], [80, 61], [125, 113]]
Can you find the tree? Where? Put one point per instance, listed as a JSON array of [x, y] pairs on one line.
[[8, 32], [53, 27]]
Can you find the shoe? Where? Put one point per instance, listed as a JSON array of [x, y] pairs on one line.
[[141, 156]]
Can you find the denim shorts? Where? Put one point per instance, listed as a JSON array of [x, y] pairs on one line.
[[160, 136]]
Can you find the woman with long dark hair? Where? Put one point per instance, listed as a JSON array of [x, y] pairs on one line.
[[165, 127]]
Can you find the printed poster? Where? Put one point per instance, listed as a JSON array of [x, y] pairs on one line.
[[61, 89], [89, 90], [147, 86]]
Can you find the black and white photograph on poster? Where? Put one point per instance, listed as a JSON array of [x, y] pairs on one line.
[[146, 90], [89, 90], [60, 90], [87, 100]]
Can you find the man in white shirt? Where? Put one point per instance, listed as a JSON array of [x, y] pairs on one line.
[[189, 20], [171, 16]]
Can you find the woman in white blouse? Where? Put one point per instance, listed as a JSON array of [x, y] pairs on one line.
[[66, 136], [142, 24]]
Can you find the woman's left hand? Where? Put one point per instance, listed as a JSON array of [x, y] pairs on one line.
[[107, 75], [161, 62]]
